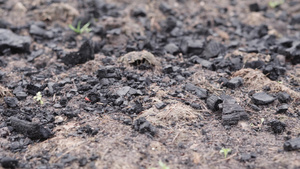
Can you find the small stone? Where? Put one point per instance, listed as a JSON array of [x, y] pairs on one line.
[[262, 98], [292, 144], [283, 108], [160, 105], [234, 82]]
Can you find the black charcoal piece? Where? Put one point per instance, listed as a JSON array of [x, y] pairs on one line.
[[232, 112], [143, 126], [8, 162], [292, 144], [277, 126], [14, 42], [213, 102], [213, 49], [235, 82], [11, 102], [31, 130], [284, 97], [283, 108], [262, 98], [160, 105], [85, 53]]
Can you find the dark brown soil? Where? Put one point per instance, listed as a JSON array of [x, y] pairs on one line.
[[185, 137]]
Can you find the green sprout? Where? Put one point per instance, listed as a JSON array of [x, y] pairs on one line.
[[225, 151], [161, 165], [38, 98], [275, 3], [79, 29]]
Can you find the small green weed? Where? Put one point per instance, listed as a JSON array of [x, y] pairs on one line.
[[275, 3], [161, 165], [225, 151], [38, 98], [79, 29]]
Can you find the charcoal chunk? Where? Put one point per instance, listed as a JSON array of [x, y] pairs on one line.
[[262, 98], [171, 48], [213, 102], [168, 69], [284, 97], [165, 8], [11, 102], [143, 126], [21, 95], [16, 43], [32, 130], [195, 47], [8, 162], [292, 144], [257, 64], [235, 82], [213, 49], [204, 63], [283, 108], [160, 105], [138, 12], [85, 53], [200, 92], [295, 19], [232, 112], [123, 91], [93, 97], [254, 7], [277, 126], [38, 31], [108, 72]]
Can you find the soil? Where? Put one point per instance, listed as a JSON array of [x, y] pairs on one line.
[[173, 82]]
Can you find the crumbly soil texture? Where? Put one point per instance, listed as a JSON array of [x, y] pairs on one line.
[[149, 84]]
